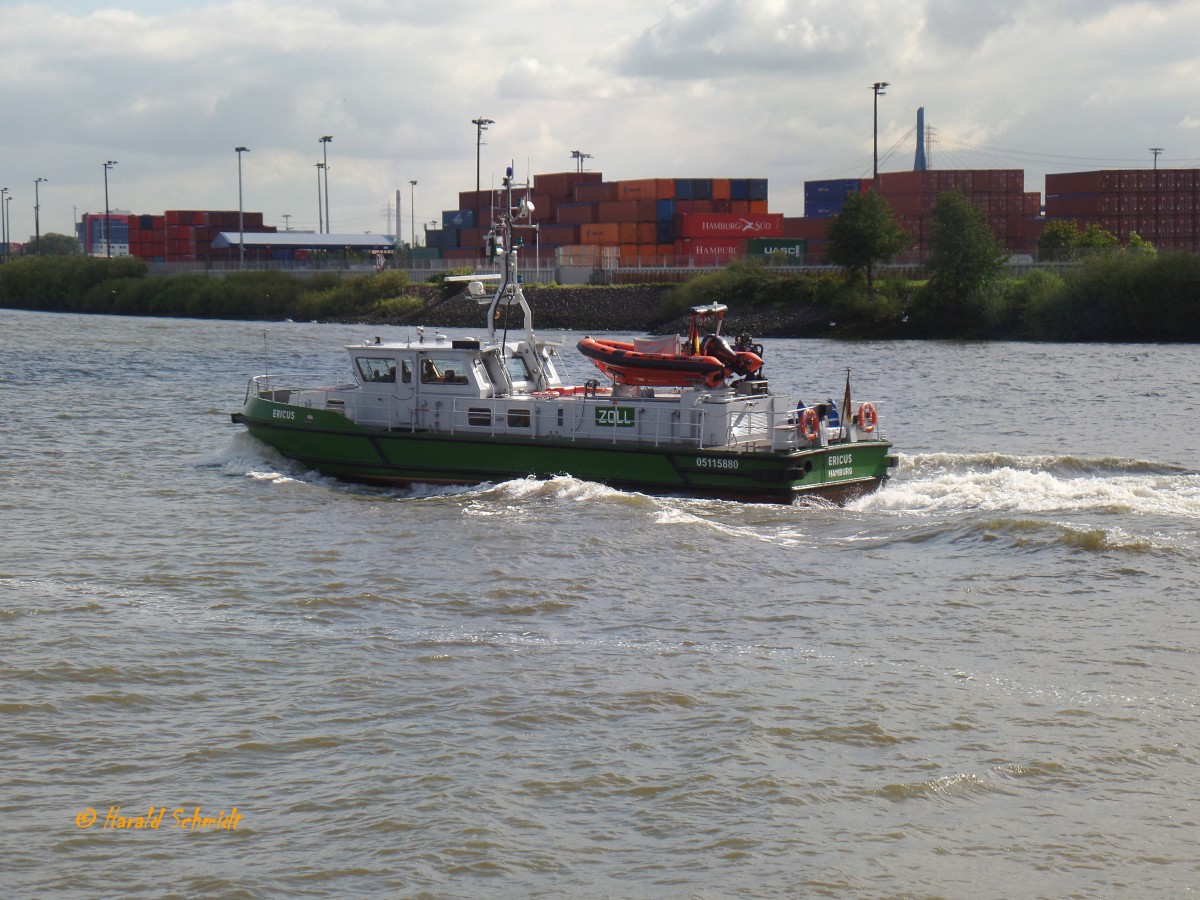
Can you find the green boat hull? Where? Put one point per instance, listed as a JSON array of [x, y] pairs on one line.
[[335, 446]]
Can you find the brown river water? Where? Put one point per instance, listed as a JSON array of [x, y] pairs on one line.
[[224, 676]]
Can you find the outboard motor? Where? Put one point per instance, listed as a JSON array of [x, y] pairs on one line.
[[744, 362]]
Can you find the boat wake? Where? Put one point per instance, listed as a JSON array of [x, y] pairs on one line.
[[944, 482], [1032, 503]]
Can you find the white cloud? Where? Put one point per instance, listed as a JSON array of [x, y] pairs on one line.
[[777, 89]]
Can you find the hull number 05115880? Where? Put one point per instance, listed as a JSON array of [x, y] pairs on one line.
[[705, 462]]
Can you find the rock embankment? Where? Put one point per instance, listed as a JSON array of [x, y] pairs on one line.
[[627, 309]]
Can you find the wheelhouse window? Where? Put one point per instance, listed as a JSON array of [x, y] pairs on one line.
[[450, 370], [373, 369], [518, 369]]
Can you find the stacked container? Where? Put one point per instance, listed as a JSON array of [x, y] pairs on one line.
[[1160, 205], [582, 218], [999, 193]]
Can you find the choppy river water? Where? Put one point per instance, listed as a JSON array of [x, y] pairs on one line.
[[980, 681]]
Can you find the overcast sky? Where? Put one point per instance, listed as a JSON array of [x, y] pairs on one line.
[[776, 89]]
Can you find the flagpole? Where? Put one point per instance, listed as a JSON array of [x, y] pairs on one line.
[[847, 412]]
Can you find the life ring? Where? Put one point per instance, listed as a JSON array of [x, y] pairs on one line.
[[810, 425], [868, 418]]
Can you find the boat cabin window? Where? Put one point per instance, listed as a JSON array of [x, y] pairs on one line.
[[378, 370], [518, 369], [450, 370], [518, 418]]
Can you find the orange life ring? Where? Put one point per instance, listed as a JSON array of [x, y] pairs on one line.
[[868, 418], [810, 425]]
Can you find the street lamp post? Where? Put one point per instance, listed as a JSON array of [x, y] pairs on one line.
[[412, 205], [37, 214], [241, 211], [877, 87], [107, 224], [8, 219], [325, 150], [481, 125], [320, 220]]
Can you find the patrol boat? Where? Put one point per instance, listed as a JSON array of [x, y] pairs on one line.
[[469, 411]]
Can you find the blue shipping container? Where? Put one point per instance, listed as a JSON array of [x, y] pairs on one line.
[[822, 209], [458, 218], [834, 188]]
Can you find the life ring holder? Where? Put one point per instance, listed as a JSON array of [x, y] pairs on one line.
[[810, 424], [868, 417]]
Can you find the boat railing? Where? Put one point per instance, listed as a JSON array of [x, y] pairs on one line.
[[280, 387]]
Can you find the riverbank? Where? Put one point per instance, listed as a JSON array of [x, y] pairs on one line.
[[632, 308]]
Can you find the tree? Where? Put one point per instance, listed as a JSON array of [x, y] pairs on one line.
[[1093, 238], [964, 258], [863, 233], [1057, 240], [55, 244]]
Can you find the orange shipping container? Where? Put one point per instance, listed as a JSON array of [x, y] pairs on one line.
[[628, 232], [720, 189], [646, 189], [600, 233]]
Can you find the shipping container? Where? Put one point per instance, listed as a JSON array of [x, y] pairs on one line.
[[792, 249], [562, 184], [558, 235], [576, 213], [805, 228], [595, 192], [619, 210], [693, 189], [646, 189], [600, 233], [714, 225], [711, 251], [578, 255], [833, 189], [458, 218]]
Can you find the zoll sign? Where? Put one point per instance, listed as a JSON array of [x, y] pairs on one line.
[[729, 225]]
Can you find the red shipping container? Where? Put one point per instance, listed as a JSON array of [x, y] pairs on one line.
[[595, 192], [717, 252], [576, 213], [627, 232], [618, 211], [563, 183], [805, 228], [715, 225], [558, 235]]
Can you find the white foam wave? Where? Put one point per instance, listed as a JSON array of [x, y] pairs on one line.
[[941, 483]]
